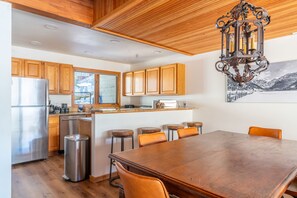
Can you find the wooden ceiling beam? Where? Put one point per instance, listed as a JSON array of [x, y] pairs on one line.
[[79, 12], [186, 27]]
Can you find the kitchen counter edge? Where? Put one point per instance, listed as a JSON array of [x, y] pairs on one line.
[[140, 110]]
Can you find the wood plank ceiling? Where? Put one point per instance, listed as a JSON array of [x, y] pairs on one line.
[[79, 12], [183, 26], [187, 26]]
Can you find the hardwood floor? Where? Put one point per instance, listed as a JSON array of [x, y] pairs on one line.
[[44, 179]]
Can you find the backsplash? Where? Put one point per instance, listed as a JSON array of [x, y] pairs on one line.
[[57, 100]]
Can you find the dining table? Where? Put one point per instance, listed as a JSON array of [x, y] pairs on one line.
[[217, 164]]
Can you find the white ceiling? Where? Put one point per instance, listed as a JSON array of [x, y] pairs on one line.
[[79, 41]]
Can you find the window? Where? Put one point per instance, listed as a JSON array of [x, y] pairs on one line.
[[96, 87], [84, 88]]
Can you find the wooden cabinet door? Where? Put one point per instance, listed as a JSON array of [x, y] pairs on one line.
[[66, 79], [51, 72], [33, 69], [139, 83], [128, 84], [17, 67], [153, 81], [168, 79], [53, 133]]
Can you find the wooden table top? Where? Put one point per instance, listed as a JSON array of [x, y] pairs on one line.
[[220, 164]]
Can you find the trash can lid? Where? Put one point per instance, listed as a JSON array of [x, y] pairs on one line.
[[77, 137]]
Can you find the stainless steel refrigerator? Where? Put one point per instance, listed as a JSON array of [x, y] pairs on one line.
[[29, 113]]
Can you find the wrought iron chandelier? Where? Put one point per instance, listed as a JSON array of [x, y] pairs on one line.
[[242, 50]]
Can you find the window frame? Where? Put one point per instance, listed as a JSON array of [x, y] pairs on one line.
[[97, 90]]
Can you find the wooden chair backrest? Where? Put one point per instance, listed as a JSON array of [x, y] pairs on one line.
[[274, 133], [187, 132], [153, 138], [138, 186]]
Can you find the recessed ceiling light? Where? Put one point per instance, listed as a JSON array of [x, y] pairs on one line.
[[36, 43], [158, 52], [114, 41], [50, 27]]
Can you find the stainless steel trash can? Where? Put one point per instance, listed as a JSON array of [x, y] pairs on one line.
[[76, 157]]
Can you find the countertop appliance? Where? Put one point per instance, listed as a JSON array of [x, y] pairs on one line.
[[69, 125], [29, 112], [165, 103]]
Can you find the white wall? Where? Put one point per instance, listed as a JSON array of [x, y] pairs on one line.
[[76, 61], [5, 86], [101, 143], [206, 89]]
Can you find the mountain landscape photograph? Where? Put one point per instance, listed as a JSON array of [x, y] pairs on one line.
[[277, 84]]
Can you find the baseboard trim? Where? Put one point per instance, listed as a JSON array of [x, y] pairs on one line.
[[101, 178]]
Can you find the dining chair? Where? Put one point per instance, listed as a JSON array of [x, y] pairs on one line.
[[259, 131], [138, 186], [187, 132], [275, 133], [152, 138]]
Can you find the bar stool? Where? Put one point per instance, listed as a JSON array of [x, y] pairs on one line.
[[173, 127], [198, 125], [149, 130], [119, 133]]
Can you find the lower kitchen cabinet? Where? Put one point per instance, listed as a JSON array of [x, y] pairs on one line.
[[53, 133]]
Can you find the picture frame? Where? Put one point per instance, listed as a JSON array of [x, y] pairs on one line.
[[277, 84]]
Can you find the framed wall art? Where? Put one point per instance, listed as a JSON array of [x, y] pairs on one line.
[[277, 84]]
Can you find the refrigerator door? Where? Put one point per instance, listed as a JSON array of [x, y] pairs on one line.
[[29, 134], [29, 92]]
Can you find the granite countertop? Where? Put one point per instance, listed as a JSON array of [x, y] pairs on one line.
[[70, 113], [121, 110], [133, 110]]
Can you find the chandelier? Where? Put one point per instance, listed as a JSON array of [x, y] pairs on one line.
[[242, 51]]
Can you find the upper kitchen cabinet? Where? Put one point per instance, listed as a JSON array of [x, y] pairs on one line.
[[128, 84], [51, 72], [139, 83], [33, 69], [153, 81], [17, 67], [172, 79], [66, 79]]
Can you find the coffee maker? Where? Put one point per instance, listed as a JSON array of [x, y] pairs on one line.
[[64, 108]]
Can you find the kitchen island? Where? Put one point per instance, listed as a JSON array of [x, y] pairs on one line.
[[102, 121]]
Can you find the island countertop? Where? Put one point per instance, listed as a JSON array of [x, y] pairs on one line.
[[135, 110]]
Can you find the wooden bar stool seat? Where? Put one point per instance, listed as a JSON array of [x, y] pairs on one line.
[[148, 130], [173, 127], [122, 134], [198, 125]]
